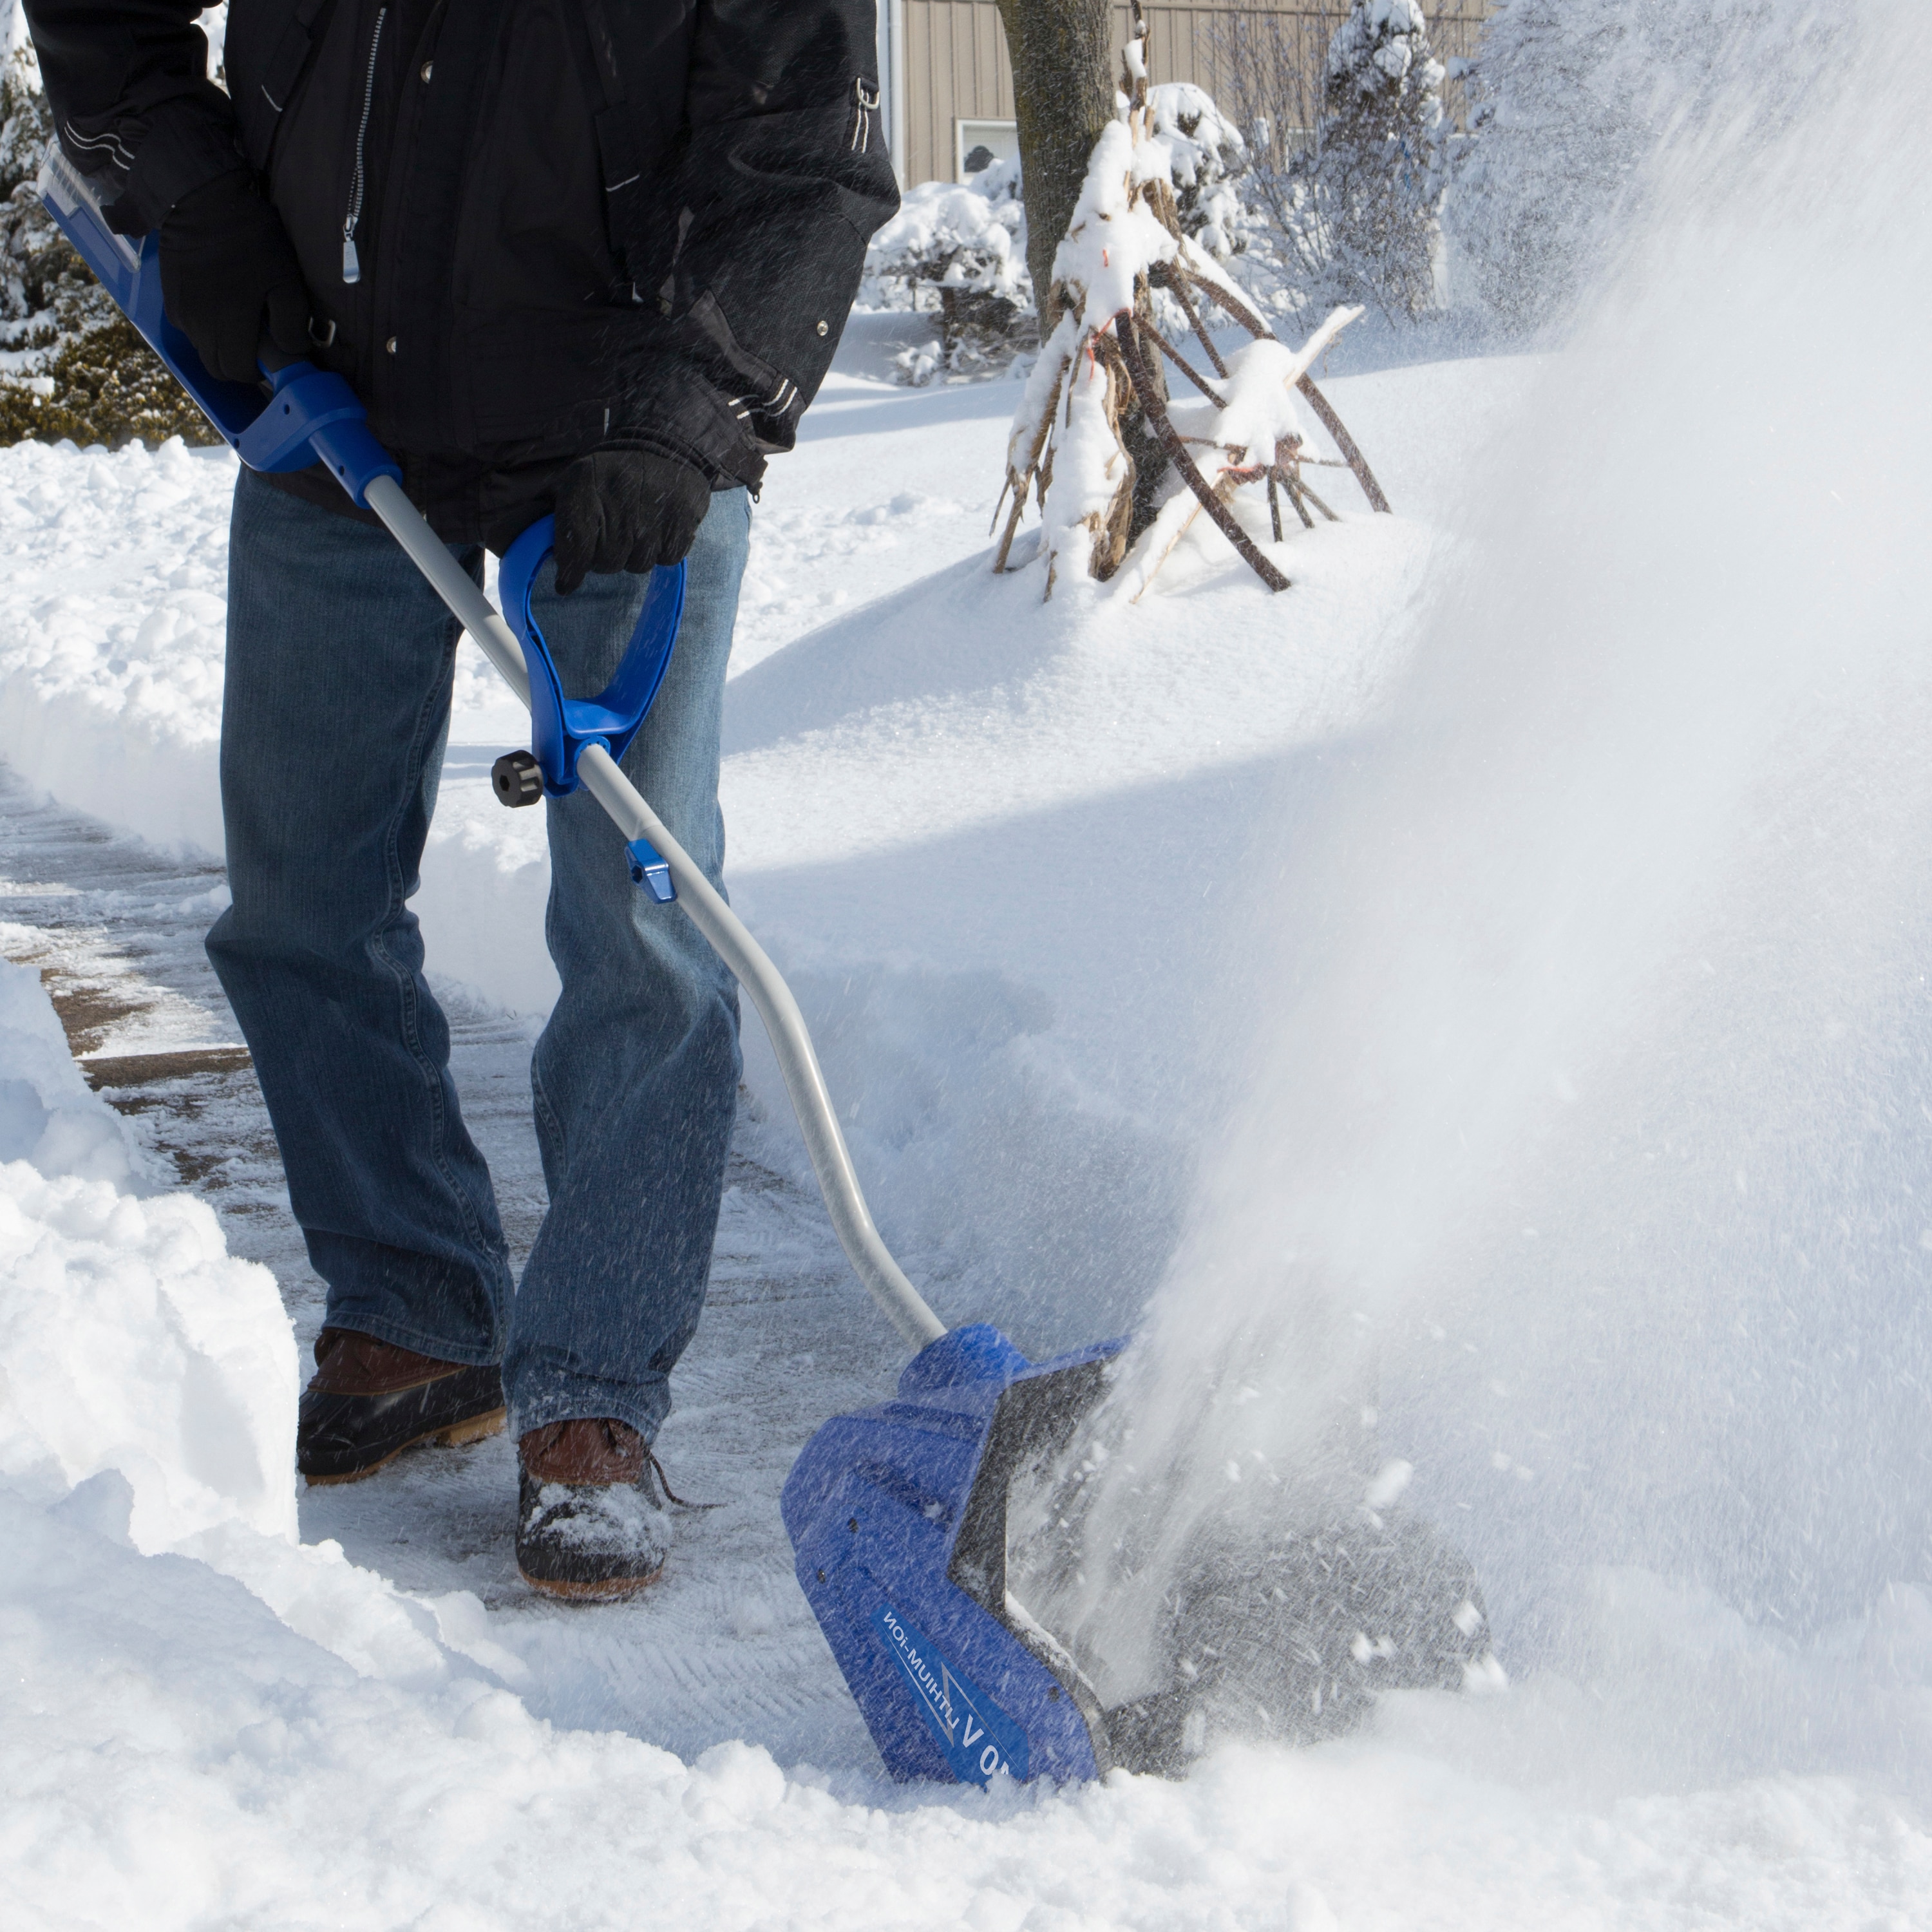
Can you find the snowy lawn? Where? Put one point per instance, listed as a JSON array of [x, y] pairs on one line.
[[990, 837], [1000, 844]]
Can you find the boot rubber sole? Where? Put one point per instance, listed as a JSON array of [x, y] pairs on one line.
[[452, 1435], [615, 1590]]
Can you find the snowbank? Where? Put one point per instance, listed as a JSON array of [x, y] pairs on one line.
[[174, 1757], [130, 1341], [202, 1721], [112, 617], [149, 1379]]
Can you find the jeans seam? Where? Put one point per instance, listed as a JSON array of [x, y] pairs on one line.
[[405, 983], [557, 1406], [541, 1101], [402, 1336]]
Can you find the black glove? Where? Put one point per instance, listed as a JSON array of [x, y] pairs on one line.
[[625, 509], [229, 276]]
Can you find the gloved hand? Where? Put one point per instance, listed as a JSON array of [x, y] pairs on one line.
[[229, 276], [623, 509]]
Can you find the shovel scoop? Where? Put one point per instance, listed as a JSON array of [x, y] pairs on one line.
[[898, 1518]]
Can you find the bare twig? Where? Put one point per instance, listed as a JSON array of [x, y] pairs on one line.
[[1178, 284], [1154, 567], [1012, 531], [1187, 369], [1026, 476], [1236, 307], [1137, 373], [1274, 507], [1294, 490], [1345, 443], [1137, 84], [1304, 490]]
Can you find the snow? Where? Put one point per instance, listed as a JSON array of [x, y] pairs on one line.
[[962, 817], [1020, 858], [951, 808], [217, 1725]]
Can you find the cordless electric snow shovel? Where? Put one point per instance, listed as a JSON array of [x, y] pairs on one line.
[[897, 1515]]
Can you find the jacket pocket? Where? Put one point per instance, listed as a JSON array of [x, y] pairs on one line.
[[269, 49]]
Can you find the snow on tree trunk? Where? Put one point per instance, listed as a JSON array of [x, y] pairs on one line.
[[1063, 97]]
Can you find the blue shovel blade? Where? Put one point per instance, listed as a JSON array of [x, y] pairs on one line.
[[898, 1520]]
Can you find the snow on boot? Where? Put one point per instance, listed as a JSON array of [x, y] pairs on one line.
[[370, 1400], [592, 1519]]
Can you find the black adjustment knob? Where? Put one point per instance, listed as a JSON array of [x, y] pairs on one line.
[[518, 778]]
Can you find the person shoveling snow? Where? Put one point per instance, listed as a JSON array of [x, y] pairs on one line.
[[391, 193], [897, 1513]]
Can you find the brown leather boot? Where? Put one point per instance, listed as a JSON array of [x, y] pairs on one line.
[[592, 1523], [370, 1400]]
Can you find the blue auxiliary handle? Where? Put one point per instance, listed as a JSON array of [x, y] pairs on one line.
[[561, 727], [312, 415]]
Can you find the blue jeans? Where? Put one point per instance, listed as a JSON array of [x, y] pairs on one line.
[[336, 712]]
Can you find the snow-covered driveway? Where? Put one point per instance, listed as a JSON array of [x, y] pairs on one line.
[[995, 844]]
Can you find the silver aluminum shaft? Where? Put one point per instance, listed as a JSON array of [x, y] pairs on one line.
[[832, 1162]]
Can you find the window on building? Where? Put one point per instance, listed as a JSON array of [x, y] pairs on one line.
[[977, 145]]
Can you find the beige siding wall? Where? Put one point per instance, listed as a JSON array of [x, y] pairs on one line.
[[956, 67]]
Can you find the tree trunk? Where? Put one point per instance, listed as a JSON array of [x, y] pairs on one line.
[[1063, 57]]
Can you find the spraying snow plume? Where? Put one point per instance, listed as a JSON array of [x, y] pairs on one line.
[[1589, 1147]]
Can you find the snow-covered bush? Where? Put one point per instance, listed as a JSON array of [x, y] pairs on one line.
[[1377, 176], [71, 364], [958, 251], [1556, 131], [1206, 157], [1355, 217]]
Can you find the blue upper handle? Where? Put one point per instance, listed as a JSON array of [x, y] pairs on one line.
[[560, 727], [311, 414]]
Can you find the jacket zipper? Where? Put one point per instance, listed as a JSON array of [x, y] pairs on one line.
[[351, 266]]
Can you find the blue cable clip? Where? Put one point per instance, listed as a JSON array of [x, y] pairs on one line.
[[312, 413], [651, 869], [560, 727]]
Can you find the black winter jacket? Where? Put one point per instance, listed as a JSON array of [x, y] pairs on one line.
[[571, 219]]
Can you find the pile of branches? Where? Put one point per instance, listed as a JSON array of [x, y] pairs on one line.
[[1119, 472]]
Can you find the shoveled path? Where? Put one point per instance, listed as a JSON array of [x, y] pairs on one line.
[[724, 1647]]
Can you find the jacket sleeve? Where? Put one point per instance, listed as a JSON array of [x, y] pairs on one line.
[[127, 82], [783, 178]]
